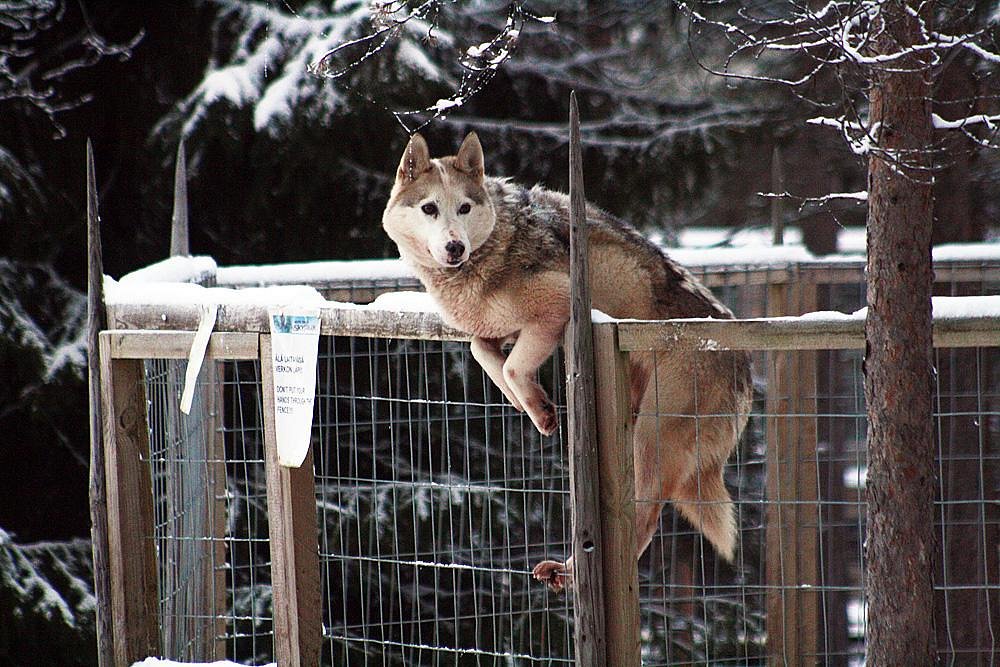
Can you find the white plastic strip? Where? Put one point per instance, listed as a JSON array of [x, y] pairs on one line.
[[294, 347], [206, 322]]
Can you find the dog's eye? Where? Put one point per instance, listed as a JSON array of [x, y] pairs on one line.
[[464, 208], [429, 209]]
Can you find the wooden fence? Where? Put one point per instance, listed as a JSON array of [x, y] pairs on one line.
[[793, 581]]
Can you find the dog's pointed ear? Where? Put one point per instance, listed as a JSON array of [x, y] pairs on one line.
[[469, 158], [416, 160]]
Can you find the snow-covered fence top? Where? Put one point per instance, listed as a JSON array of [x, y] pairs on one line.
[[170, 295], [343, 275]]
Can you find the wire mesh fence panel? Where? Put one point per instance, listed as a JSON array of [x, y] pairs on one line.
[[696, 608], [180, 460], [967, 516], [436, 498], [210, 513], [249, 616], [795, 593]]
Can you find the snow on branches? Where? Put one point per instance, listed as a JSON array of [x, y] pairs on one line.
[[831, 54], [30, 74], [839, 32], [264, 65], [50, 580], [390, 20], [281, 59]]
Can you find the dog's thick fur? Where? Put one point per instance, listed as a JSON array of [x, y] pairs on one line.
[[495, 257]]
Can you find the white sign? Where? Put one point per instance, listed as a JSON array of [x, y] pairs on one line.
[[294, 344]]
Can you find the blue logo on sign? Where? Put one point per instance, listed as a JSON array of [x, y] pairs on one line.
[[293, 323]]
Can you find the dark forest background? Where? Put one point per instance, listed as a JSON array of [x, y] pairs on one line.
[[288, 166]]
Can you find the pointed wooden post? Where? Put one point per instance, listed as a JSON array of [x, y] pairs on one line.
[[584, 476], [179, 243], [96, 321], [121, 503]]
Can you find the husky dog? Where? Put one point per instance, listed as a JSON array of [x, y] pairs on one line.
[[495, 258]]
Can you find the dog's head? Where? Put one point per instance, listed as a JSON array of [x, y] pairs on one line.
[[439, 211]]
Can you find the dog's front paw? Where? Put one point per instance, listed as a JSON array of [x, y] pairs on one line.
[[544, 417], [553, 574]]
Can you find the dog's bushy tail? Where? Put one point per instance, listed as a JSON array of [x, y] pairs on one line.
[[705, 502]]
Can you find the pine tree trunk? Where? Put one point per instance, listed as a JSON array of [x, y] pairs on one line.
[[898, 357]]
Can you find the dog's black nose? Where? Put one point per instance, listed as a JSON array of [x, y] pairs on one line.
[[455, 250]]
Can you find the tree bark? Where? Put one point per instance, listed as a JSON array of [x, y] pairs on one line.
[[898, 355]]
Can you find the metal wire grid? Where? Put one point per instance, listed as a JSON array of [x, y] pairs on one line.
[[699, 610], [249, 615], [210, 514], [435, 500], [967, 580], [365, 290], [696, 609]]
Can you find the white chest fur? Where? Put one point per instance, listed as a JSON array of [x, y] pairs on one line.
[[465, 307]]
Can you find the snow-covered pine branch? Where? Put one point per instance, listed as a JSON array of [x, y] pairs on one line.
[[49, 583], [321, 62], [831, 48], [45, 316], [477, 63], [266, 66], [31, 75]]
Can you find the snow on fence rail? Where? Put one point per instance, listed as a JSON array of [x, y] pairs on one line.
[[409, 536]]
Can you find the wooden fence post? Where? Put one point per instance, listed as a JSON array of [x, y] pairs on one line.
[[584, 477], [291, 513], [617, 492], [132, 556], [179, 239], [96, 322], [792, 550]]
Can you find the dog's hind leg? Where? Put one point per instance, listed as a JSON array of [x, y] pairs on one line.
[[658, 472], [554, 574], [666, 468]]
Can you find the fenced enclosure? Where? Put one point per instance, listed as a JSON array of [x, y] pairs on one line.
[[409, 535]]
